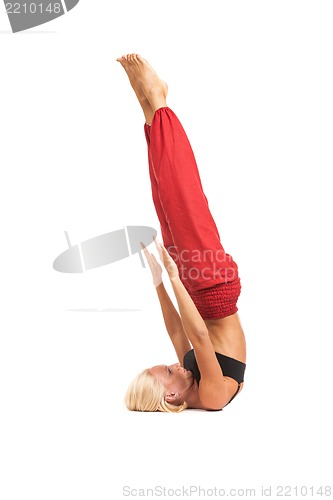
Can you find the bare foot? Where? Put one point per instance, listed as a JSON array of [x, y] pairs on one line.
[[132, 77], [145, 105], [154, 89]]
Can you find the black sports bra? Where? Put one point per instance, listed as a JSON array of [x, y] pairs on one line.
[[230, 367]]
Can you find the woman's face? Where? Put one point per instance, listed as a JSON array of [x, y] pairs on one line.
[[175, 378]]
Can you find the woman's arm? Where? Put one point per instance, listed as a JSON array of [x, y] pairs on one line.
[[171, 317], [173, 323], [192, 321], [213, 392]]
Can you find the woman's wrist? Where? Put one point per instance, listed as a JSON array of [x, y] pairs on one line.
[[158, 282]]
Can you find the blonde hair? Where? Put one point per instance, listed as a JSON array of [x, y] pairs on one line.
[[146, 393]]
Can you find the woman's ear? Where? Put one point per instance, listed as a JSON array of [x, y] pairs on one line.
[[172, 397]]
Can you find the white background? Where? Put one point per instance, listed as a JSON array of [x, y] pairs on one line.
[[252, 83]]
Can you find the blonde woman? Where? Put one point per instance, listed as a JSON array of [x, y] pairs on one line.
[[206, 333]]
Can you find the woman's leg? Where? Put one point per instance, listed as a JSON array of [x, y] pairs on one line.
[[165, 230], [201, 258], [183, 207], [125, 61], [150, 90], [128, 64]]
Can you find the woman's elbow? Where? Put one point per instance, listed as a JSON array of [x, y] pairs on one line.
[[201, 335]]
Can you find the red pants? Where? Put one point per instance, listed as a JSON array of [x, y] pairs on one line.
[[188, 229]]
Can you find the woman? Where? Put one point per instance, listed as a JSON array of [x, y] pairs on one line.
[[207, 334]]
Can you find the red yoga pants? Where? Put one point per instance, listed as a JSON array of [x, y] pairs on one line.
[[188, 229]]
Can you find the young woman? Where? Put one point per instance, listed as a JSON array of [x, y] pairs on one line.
[[206, 333]]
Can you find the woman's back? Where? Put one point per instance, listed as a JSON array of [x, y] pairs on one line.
[[227, 336]]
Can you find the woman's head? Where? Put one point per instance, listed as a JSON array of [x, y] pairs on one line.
[[160, 388]]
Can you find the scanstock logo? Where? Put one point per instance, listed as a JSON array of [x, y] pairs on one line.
[[26, 14]]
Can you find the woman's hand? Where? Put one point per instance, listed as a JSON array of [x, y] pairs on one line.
[[156, 269], [167, 260]]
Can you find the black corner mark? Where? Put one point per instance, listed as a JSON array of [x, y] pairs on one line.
[[26, 14], [70, 4]]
